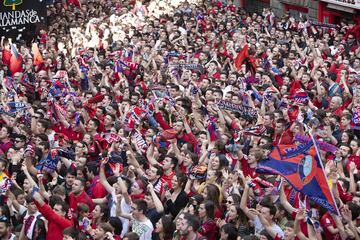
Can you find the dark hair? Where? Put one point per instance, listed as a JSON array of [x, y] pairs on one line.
[[64, 206], [266, 234], [174, 160], [159, 170], [104, 208], [131, 236], [92, 167], [168, 226], [236, 198], [271, 207], [106, 227], [96, 122], [230, 230], [45, 123], [141, 205], [192, 221], [82, 207], [194, 157], [332, 76], [45, 144], [72, 232], [182, 179], [213, 193], [81, 180], [72, 171], [116, 223], [210, 209]]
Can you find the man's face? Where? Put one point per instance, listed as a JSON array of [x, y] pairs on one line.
[[344, 151], [59, 210], [32, 208], [228, 97], [184, 227], [279, 128], [40, 128], [91, 126], [167, 163], [77, 187], [3, 133], [345, 122], [99, 233], [134, 211], [178, 126], [134, 99], [267, 120], [69, 179], [266, 213], [152, 174]]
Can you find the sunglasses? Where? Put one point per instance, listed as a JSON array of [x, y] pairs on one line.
[[230, 202]]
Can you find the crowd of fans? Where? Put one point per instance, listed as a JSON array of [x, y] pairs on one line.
[[146, 120]]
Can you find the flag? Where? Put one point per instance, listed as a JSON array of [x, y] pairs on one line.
[[242, 55], [301, 167], [15, 60], [38, 59], [5, 183], [257, 130]]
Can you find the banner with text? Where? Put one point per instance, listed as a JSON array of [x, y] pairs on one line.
[[22, 19]]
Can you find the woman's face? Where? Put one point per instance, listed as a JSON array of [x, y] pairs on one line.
[[97, 212], [232, 212], [202, 211], [175, 183], [344, 137], [215, 163], [87, 139], [205, 193], [229, 203], [26, 185], [354, 146], [135, 189], [187, 160], [159, 226]]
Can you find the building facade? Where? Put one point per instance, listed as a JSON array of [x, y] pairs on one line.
[[328, 11]]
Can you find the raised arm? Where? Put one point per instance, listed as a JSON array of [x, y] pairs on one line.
[[103, 179], [244, 200]]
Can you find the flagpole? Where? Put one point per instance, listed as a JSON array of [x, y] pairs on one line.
[[322, 167]]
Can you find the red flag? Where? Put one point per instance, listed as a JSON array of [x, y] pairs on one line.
[[6, 55], [242, 55], [37, 55], [302, 168], [15, 60]]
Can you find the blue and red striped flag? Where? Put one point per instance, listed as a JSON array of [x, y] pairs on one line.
[[301, 167]]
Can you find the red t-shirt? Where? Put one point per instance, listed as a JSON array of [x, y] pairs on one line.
[[82, 198], [247, 170], [167, 178], [327, 221]]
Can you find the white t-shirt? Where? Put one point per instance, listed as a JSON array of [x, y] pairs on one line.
[[259, 227], [143, 229], [125, 208]]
